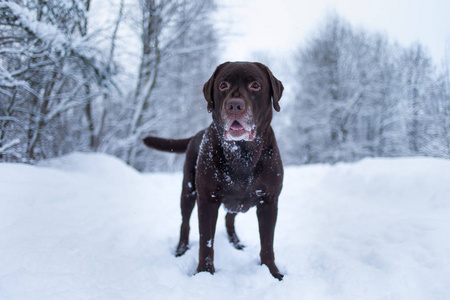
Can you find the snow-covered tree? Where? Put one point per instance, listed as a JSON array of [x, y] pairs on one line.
[[360, 96], [178, 50], [48, 72], [69, 83]]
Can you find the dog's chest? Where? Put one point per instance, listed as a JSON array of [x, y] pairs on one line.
[[237, 191], [239, 198], [231, 174]]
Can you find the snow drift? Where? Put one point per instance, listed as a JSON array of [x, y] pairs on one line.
[[87, 226]]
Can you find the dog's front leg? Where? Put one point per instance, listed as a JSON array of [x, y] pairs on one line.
[[207, 219], [267, 218]]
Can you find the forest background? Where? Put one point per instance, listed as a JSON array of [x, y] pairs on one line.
[[82, 75]]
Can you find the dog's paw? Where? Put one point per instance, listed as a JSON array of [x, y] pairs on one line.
[[274, 270], [234, 240], [181, 249], [239, 246], [278, 276], [207, 266]]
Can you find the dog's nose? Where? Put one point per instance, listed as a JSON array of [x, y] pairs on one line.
[[236, 105]]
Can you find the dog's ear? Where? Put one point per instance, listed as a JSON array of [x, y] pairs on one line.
[[208, 88], [276, 86]]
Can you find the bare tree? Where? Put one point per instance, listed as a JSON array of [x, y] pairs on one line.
[[61, 84], [164, 26], [361, 96], [48, 70]]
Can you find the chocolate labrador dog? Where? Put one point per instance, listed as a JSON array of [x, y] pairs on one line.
[[234, 162]]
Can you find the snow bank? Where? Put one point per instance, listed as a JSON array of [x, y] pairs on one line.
[[95, 165], [88, 226]]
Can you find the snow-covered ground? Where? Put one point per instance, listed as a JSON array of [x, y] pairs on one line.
[[86, 226]]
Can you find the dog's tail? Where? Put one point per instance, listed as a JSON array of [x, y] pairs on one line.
[[168, 145]]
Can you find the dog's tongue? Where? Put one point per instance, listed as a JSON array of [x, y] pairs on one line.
[[236, 126]]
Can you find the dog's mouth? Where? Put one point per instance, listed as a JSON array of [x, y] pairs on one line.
[[237, 132]]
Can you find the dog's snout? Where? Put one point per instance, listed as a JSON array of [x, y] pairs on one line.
[[236, 106]]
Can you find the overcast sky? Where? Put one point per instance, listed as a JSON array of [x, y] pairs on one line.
[[281, 26]]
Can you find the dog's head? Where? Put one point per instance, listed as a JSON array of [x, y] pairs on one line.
[[240, 96]]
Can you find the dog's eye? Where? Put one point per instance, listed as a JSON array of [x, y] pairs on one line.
[[223, 86], [255, 86]]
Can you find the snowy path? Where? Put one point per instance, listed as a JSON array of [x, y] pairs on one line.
[[86, 226]]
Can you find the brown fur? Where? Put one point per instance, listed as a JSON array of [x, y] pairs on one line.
[[234, 162]]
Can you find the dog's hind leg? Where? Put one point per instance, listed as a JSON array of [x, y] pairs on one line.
[[232, 236], [187, 205], [188, 198], [189, 192]]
